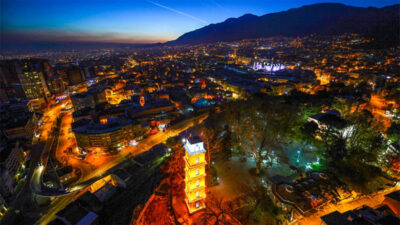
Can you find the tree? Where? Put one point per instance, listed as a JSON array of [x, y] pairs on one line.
[[306, 133], [217, 211], [343, 106], [261, 126], [261, 208], [211, 142], [359, 139], [226, 141], [359, 151], [335, 146], [365, 143]]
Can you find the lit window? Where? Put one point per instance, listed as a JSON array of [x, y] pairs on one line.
[[197, 204], [197, 172], [197, 194], [197, 160], [197, 183]]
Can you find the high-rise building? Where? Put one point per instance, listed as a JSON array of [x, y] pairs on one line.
[[195, 172], [8, 71], [56, 84], [11, 85], [33, 75]]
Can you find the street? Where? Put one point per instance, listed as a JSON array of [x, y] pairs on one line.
[[89, 176]]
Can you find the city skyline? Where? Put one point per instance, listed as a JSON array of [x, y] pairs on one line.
[[207, 112], [129, 21]]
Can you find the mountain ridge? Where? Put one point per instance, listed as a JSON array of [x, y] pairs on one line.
[[323, 18]]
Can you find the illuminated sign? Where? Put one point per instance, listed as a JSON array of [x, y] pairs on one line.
[[133, 142], [61, 97], [268, 67]]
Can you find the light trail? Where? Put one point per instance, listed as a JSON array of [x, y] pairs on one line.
[[179, 12]]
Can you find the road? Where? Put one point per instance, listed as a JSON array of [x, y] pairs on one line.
[[66, 143], [25, 194], [49, 119], [144, 145], [39, 153], [89, 175]]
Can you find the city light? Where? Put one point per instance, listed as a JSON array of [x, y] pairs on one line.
[[265, 118]]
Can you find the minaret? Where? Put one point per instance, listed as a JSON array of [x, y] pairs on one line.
[[195, 172]]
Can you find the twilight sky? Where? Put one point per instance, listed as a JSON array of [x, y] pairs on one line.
[[131, 21]]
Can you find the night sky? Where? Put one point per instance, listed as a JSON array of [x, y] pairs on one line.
[[131, 21]]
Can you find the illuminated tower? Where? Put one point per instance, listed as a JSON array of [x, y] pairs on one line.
[[142, 101], [195, 173]]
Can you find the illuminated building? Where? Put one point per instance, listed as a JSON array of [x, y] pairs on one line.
[[195, 174], [268, 67], [33, 75], [298, 198], [142, 101], [107, 136], [56, 84]]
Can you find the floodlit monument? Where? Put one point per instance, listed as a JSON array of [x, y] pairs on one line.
[[195, 172]]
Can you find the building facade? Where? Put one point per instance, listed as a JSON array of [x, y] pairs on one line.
[[109, 137], [195, 173], [33, 74]]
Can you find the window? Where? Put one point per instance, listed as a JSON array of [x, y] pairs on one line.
[[197, 194], [197, 183], [197, 160], [197, 204], [197, 172]]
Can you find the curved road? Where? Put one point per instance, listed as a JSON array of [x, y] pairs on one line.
[[89, 176]]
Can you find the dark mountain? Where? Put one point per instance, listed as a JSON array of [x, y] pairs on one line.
[[381, 24]]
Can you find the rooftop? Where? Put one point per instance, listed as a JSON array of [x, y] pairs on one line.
[[193, 143], [90, 127]]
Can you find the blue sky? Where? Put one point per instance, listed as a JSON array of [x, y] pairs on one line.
[[131, 21]]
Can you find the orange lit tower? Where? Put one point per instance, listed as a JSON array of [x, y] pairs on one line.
[[195, 172]]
